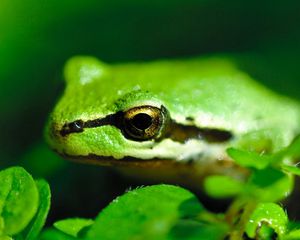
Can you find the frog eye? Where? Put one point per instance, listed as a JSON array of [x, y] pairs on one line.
[[145, 122]]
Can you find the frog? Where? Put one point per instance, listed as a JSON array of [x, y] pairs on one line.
[[168, 120]]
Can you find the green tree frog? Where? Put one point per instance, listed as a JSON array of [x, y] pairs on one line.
[[170, 120]]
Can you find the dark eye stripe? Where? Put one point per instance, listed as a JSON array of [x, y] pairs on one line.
[[175, 131], [79, 125], [182, 133]]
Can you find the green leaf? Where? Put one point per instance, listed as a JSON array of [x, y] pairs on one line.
[[292, 235], [270, 215], [36, 225], [250, 159], [18, 200], [145, 213], [190, 229], [54, 234], [293, 150], [5, 238], [222, 186], [293, 231], [269, 185], [261, 161], [73, 226], [291, 169]]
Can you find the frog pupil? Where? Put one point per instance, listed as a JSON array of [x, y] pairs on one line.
[[141, 121]]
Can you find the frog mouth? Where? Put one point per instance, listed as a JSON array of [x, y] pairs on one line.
[[124, 162], [165, 170], [129, 161]]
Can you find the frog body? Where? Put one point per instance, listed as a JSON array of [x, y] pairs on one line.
[[167, 118]]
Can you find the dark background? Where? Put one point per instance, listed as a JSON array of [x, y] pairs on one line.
[[38, 36]]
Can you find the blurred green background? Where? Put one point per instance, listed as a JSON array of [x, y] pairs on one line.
[[38, 36]]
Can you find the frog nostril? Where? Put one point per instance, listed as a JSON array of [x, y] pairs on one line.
[[76, 126]]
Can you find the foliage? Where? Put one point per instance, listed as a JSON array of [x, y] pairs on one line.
[[162, 211], [38, 36], [24, 204]]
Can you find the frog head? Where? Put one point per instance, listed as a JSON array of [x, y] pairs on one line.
[[132, 111]]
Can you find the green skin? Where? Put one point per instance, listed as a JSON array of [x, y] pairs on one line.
[[206, 93]]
